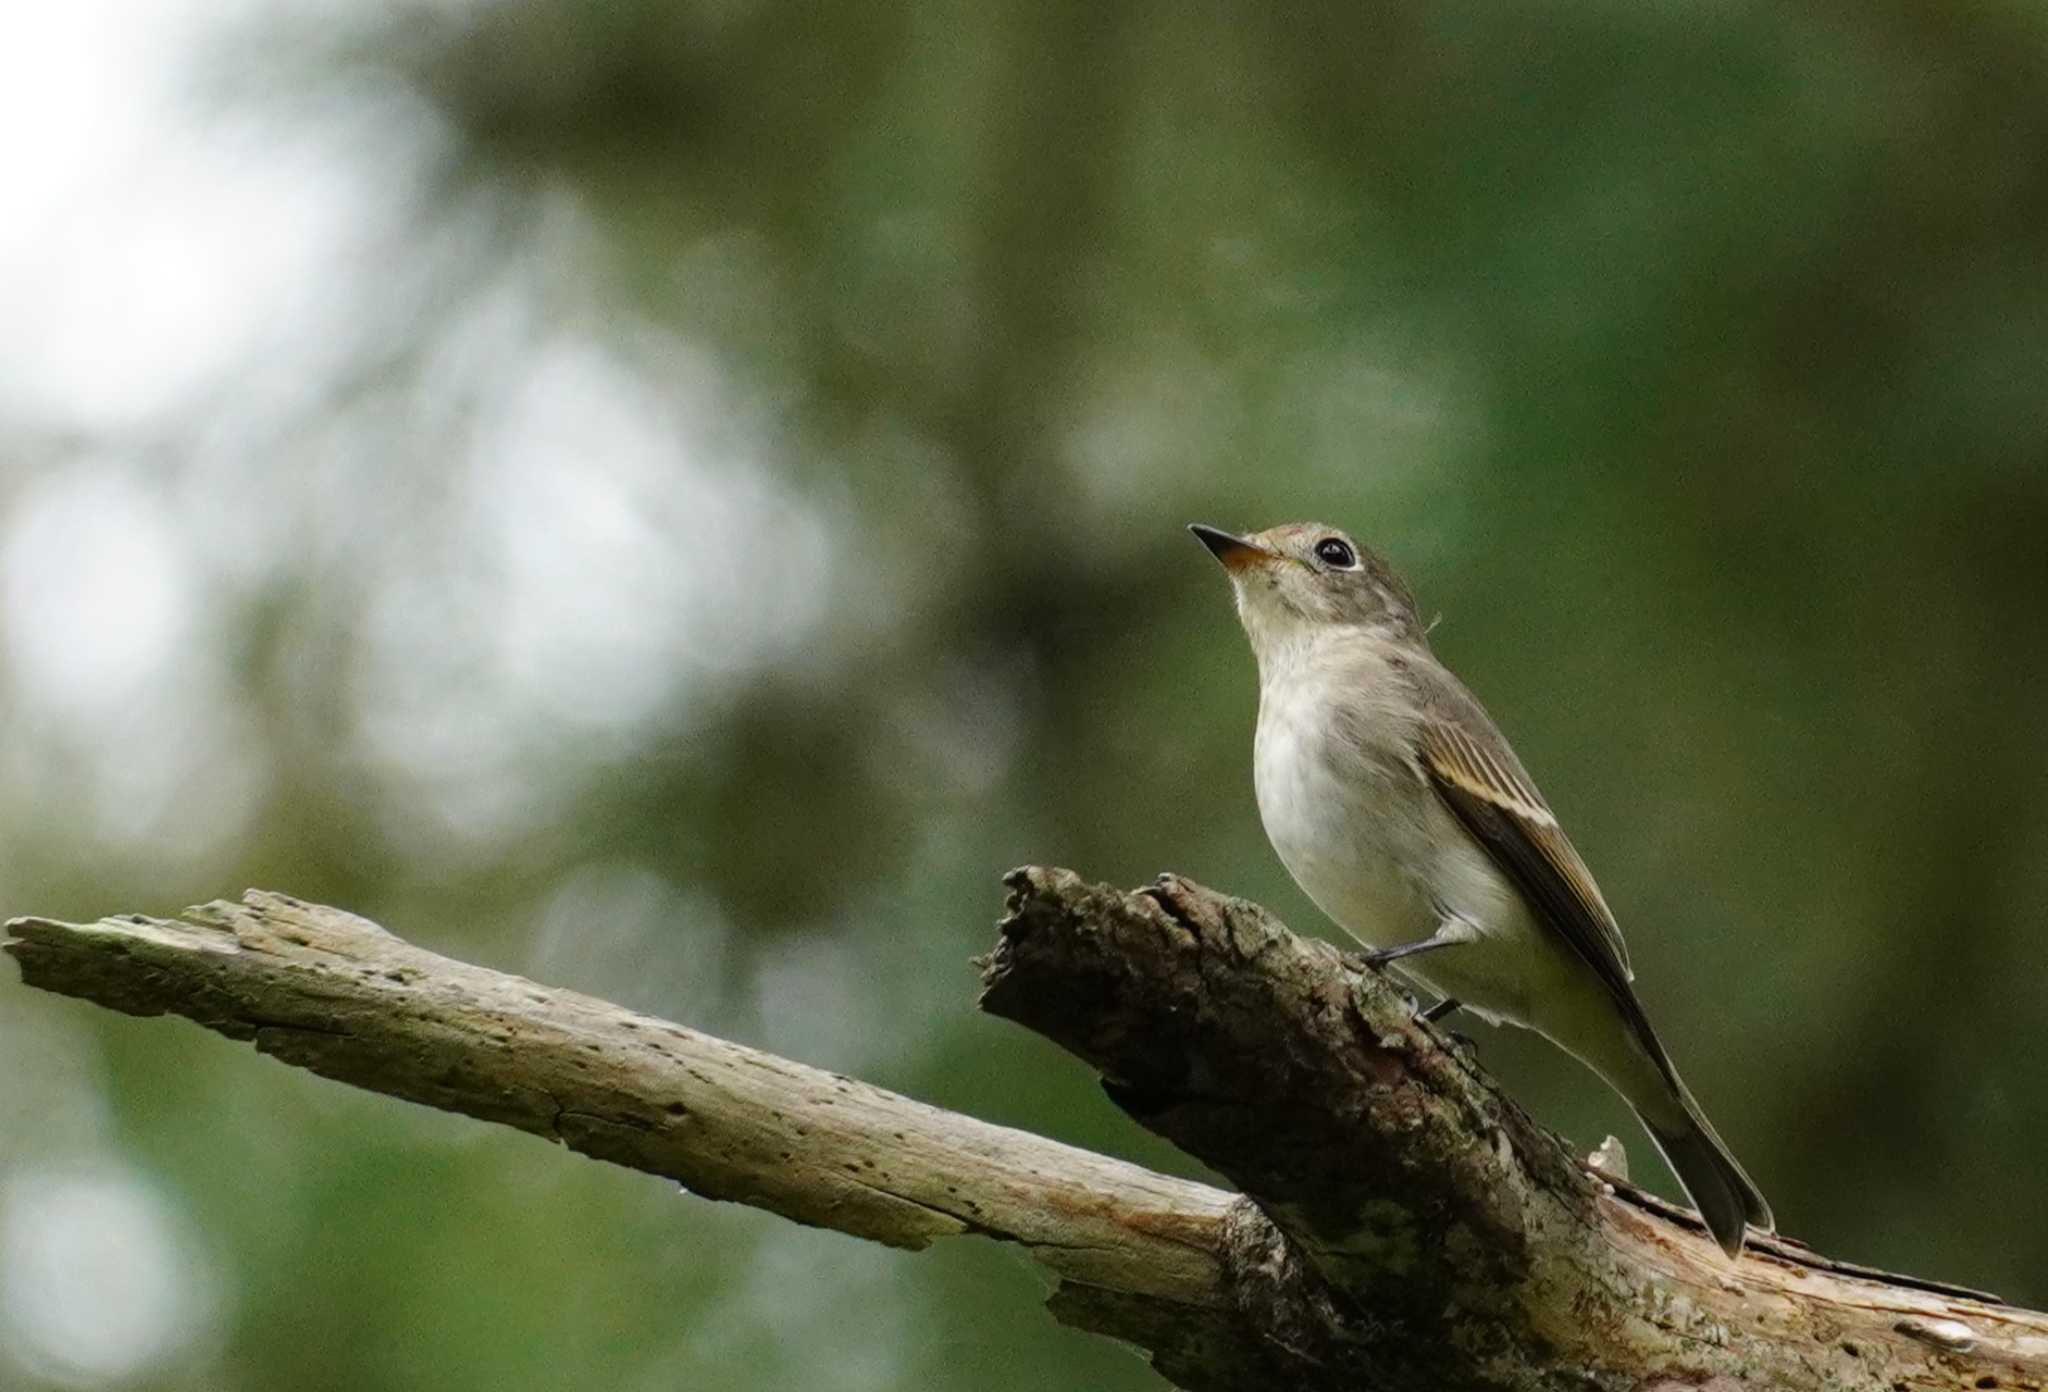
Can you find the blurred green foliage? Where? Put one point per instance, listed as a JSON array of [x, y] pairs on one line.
[[1689, 359]]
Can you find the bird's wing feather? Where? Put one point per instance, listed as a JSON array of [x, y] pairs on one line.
[[1479, 778]]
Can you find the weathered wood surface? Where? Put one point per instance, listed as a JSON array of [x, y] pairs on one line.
[[1403, 1224]]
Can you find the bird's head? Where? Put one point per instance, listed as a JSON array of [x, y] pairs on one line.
[[1302, 578]]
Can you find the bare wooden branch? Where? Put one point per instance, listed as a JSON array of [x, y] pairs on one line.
[[1135, 1251], [1438, 1237], [1406, 1226]]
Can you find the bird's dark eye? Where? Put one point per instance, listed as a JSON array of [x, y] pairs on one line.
[[1335, 551]]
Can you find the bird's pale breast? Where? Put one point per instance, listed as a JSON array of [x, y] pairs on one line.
[[1336, 789], [1367, 839]]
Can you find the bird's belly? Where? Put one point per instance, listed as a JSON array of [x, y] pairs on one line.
[[1389, 864], [1336, 825]]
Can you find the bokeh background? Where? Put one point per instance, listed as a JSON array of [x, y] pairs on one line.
[[672, 497]]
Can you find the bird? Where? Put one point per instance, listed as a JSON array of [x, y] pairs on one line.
[[1398, 806]]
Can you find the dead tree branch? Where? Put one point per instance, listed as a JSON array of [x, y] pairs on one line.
[[1403, 1224]]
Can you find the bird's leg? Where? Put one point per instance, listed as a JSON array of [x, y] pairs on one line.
[[1451, 928], [1449, 934], [1438, 1011]]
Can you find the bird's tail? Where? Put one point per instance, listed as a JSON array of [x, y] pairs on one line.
[[1726, 1197]]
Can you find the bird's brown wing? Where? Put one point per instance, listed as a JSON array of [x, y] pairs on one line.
[[1471, 767], [1468, 761]]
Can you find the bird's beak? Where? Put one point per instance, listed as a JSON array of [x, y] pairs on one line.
[[1235, 552]]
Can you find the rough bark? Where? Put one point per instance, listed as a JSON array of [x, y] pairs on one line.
[[1403, 1224]]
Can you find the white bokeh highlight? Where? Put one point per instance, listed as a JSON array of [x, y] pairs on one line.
[[98, 595], [101, 1281], [145, 248]]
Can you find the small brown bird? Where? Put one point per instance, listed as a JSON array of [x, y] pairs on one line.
[[1401, 810]]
